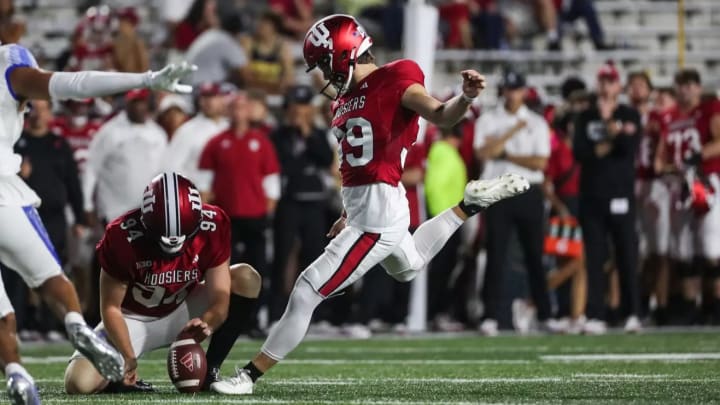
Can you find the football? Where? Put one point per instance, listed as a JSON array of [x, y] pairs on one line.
[[186, 365]]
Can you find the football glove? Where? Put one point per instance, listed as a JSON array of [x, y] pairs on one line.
[[168, 78]]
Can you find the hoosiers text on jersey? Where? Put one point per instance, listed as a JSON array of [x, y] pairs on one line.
[[158, 283]]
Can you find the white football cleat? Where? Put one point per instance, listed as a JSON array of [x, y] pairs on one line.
[[633, 325], [594, 327], [523, 316], [555, 326], [240, 384], [21, 391], [108, 361], [483, 193], [489, 327], [576, 325], [357, 331]]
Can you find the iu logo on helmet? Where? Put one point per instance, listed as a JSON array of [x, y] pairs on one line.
[[195, 199], [148, 201], [320, 36]]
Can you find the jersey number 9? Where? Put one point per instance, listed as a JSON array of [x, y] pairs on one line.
[[359, 135]]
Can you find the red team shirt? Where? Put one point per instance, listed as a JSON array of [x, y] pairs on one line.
[[158, 284], [372, 127], [239, 165], [686, 134]]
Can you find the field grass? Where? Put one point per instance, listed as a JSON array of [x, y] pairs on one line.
[[682, 368]]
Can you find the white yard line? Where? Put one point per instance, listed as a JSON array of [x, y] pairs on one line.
[[623, 376], [472, 349], [161, 383], [404, 350], [551, 358], [61, 359], [355, 381], [250, 400], [629, 357]]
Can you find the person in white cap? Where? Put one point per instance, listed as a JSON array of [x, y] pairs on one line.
[[188, 142], [172, 112]]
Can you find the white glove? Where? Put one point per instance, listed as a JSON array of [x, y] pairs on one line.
[[167, 79]]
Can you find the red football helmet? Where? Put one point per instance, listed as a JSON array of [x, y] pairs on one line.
[[171, 211], [333, 44]]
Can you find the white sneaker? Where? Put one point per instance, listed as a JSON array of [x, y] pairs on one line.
[[357, 331], [523, 317], [594, 327], [556, 326], [576, 326], [489, 327], [378, 326], [633, 325], [445, 323], [30, 336], [399, 328], [324, 328], [483, 193], [240, 384], [54, 337]]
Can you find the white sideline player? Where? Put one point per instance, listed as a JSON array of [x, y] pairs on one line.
[[376, 116], [24, 244]]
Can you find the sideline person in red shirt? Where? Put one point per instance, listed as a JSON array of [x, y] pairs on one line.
[[245, 173]]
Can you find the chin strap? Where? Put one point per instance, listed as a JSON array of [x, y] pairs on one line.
[[347, 81], [330, 96]]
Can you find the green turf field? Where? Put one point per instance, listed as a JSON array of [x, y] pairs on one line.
[[681, 368]]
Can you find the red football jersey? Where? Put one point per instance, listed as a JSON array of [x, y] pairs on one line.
[[372, 126], [78, 138], [656, 122], [687, 133], [158, 284]]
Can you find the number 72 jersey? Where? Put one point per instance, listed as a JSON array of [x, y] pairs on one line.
[[157, 283], [372, 126]]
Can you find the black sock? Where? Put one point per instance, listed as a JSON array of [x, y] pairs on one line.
[[715, 311], [224, 338], [469, 210], [661, 316], [253, 371], [689, 312]]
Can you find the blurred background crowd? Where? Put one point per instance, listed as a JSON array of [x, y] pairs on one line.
[[581, 100]]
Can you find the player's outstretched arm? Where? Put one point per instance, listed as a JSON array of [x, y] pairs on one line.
[[450, 112], [31, 83], [112, 293]]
